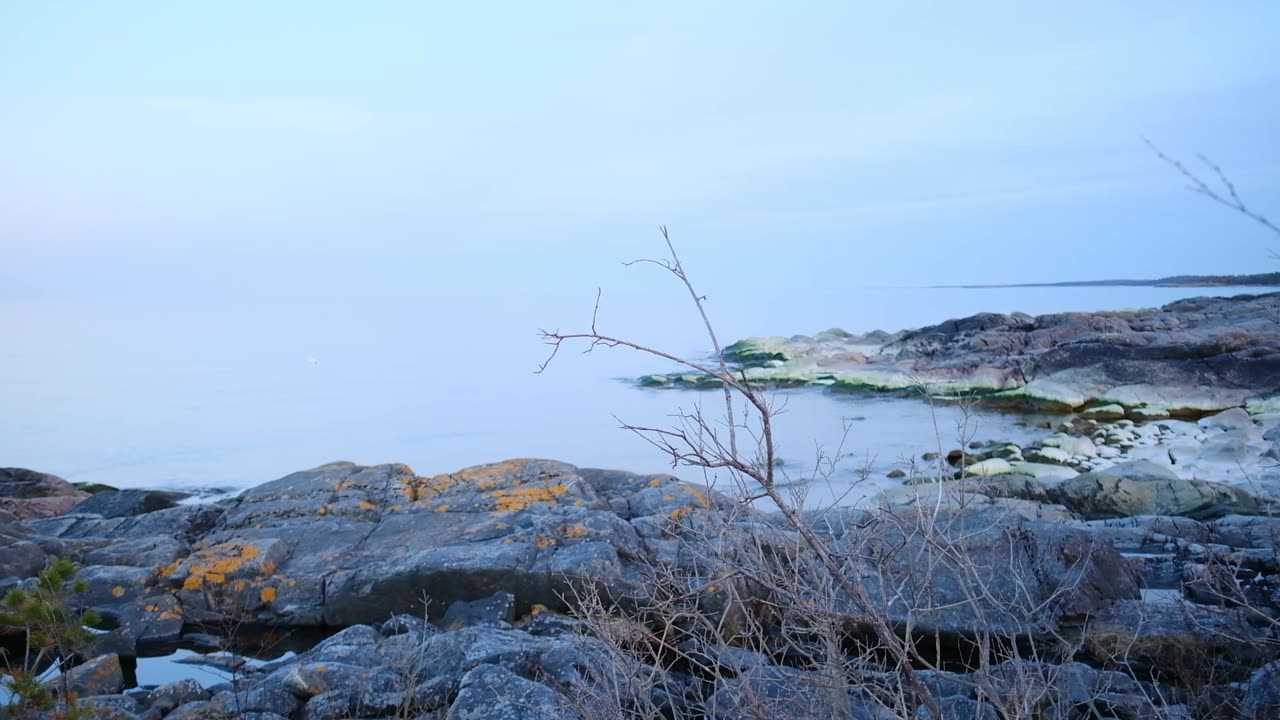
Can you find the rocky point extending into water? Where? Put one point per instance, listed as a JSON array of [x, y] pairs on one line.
[[1186, 359]]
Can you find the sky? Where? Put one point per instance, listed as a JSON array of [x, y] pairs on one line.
[[164, 148]]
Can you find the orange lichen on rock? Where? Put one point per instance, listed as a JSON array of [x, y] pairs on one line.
[[679, 514], [214, 564], [488, 477], [702, 497], [574, 531], [268, 594], [366, 505], [516, 499], [117, 591]]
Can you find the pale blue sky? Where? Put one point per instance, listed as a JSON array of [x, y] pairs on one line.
[[157, 147]]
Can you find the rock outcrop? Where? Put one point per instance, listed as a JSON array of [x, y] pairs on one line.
[[1187, 358], [453, 595]]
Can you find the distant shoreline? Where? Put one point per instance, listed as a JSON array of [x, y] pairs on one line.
[[1208, 281]]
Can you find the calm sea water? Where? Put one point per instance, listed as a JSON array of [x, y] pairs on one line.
[[196, 393]]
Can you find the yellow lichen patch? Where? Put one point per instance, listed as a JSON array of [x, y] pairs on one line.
[[668, 497], [170, 615], [679, 514], [366, 505], [241, 585], [702, 497], [268, 594], [488, 477], [655, 482], [574, 531], [169, 569], [152, 608], [577, 503], [324, 510], [214, 564], [517, 499], [268, 567], [537, 609], [442, 508], [117, 591], [544, 541]]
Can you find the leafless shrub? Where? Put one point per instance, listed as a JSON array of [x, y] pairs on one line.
[[858, 607]]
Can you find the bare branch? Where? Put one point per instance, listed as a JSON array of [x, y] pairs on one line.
[[1227, 196]]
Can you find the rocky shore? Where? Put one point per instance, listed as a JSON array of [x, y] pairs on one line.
[[1125, 566], [1096, 575], [1186, 359]]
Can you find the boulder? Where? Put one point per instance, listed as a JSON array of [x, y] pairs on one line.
[[1262, 698], [1036, 574], [1104, 412], [125, 503], [491, 692], [1072, 445], [1046, 472], [992, 466], [29, 494], [100, 676], [1048, 456], [1183, 641], [497, 610], [1144, 488]]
